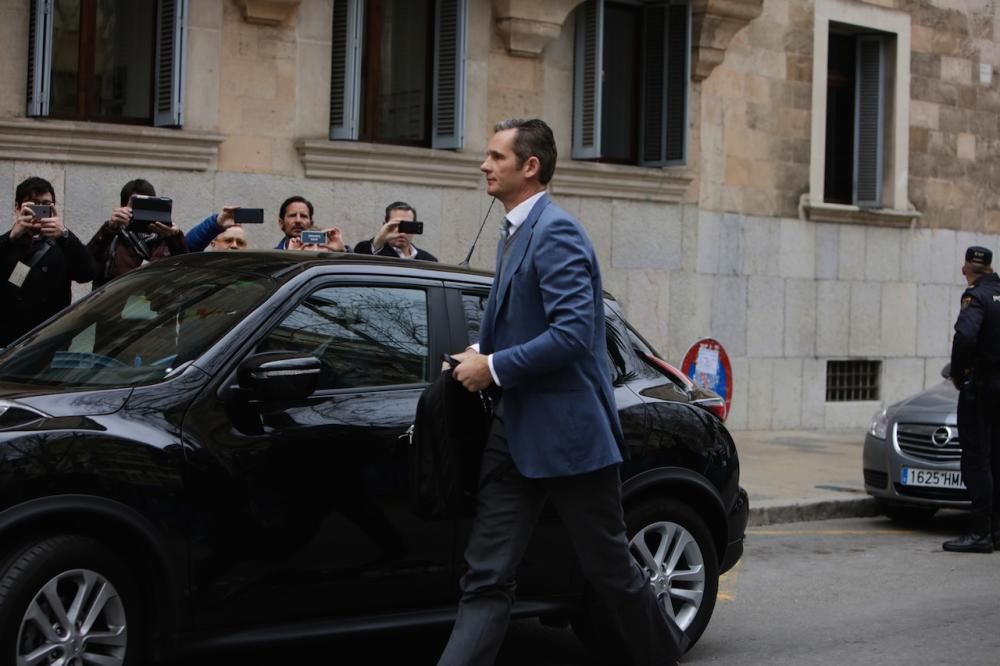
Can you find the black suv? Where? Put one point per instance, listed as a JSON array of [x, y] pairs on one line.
[[214, 450]]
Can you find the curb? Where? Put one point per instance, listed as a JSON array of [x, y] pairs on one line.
[[797, 511]]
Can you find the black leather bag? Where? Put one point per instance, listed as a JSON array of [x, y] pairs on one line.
[[449, 434]]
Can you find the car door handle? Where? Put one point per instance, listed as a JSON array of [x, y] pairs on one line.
[[407, 435]]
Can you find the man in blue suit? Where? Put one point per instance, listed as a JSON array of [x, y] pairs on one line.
[[555, 434]]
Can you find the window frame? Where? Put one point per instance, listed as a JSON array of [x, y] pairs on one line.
[[166, 89], [656, 125], [894, 27], [351, 85]]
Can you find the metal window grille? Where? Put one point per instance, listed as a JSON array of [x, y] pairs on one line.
[[849, 381]]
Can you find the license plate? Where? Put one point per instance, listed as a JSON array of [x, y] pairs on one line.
[[931, 478]]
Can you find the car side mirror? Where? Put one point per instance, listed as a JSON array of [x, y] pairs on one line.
[[946, 371], [279, 375]]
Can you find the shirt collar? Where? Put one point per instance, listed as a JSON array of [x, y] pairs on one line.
[[411, 255], [519, 213]]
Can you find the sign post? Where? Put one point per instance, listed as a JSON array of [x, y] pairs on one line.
[[706, 363]]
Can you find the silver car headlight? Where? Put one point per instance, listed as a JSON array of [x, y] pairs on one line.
[[880, 424]]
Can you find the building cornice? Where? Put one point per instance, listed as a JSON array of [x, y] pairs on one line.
[[47, 140], [713, 24]]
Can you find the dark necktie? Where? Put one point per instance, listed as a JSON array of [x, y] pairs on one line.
[[502, 248]]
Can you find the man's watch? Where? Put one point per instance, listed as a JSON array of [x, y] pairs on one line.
[[65, 232]]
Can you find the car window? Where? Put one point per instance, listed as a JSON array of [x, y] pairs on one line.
[[473, 304], [363, 335], [135, 330]]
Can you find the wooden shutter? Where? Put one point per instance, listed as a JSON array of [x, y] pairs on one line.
[[448, 110], [869, 98], [652, 100], [587, 80], [171, 38], [345, 84], [678, 75], [39, 57]]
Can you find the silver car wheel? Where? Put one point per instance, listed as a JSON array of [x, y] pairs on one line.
[[673, 561], [75, 619]]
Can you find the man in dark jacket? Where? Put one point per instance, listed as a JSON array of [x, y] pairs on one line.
[[117, 250], [39, 257], [975, 370], [389, 241]]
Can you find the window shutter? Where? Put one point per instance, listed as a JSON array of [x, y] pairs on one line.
[[652, 103], [345, 84], [869, 98], [678, 75], [587, 81], [449, 74], [39, 57], [171, 37]]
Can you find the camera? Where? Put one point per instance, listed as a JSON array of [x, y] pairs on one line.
[[410, 227], [147, 210], [40, 211], [248, 216], [313, 238]]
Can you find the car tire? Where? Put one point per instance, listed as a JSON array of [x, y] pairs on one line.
[[689, 600], [907, 515], [75, 581]]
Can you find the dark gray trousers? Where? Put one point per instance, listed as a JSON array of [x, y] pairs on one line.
[[507, 511]]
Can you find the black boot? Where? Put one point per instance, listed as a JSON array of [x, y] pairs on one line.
[[970, 543]]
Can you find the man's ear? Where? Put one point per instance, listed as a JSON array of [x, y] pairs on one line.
[[531, 167]]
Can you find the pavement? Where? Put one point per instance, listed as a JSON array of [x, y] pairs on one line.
[[800, 475]]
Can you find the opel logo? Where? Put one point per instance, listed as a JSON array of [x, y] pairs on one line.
[[941, 437]]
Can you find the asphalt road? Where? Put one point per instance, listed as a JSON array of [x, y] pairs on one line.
[[830, 592]]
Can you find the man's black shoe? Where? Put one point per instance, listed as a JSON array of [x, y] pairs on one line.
[[970, 543]]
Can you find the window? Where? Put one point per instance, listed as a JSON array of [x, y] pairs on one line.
[[633, 60], [364, 336], [106, 60], [855, 118], [473, 305], [848, 381], [398, 71]]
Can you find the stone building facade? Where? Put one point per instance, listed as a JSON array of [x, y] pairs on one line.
[[738, 230]]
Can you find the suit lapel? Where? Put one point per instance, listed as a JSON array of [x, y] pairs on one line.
[[521, 241]]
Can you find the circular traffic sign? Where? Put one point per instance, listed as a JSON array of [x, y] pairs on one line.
[[706, 363]]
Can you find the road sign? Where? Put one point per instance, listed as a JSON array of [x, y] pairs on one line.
[[707, 365]]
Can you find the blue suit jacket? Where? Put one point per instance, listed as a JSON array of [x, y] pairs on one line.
[[544, 324]]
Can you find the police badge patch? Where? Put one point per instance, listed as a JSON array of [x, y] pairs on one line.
[[966, 300]]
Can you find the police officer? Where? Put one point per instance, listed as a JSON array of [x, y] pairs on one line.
[[975, 370]]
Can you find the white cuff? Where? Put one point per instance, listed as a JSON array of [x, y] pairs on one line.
[[489, 360]]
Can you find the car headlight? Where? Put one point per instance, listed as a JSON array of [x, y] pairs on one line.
[[880, 424]]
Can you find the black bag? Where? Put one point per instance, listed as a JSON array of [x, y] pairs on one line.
[[446, 448]]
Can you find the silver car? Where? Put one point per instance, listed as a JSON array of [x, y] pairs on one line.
[[911, 455]]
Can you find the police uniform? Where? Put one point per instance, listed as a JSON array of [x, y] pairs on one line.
[[975, 369]]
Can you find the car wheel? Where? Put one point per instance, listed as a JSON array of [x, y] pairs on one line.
[[68, 600], [673, 545], [907, 515]]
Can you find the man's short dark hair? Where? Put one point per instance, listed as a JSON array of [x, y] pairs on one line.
[[137, 186], [399, 205], [533, 137], [296, 199], [31, 187]]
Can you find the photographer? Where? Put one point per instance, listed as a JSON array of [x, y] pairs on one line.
[[39, 257], [333, 241], [117, 249], [390, 241]]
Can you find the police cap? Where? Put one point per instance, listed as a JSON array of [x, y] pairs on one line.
[[978, 255]]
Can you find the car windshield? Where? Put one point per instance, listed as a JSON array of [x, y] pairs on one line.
[[136, 330]]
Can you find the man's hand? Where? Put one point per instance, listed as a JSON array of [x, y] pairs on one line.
[[334, 239], [225, 219], [52, 227], [388, 233], [957, 382], [473, 370], [119, 218], [164, 230], [24, 222]]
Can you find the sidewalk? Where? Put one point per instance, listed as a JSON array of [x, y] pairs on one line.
[[799, 475]]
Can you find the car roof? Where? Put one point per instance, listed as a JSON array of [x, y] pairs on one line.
[[282, 265]]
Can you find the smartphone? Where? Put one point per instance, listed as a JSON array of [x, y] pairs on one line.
[[41, 211], [248, 215], [408, 227], [313, 238], [146, 209]]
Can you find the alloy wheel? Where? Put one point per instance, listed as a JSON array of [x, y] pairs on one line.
[[674, 563]]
